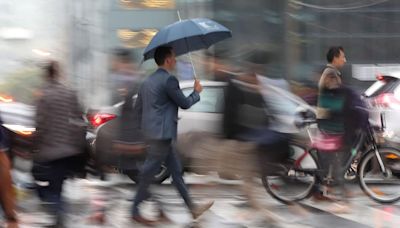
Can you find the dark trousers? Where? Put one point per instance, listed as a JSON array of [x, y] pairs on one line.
[[54, 172], [160, 151], [334, 164]]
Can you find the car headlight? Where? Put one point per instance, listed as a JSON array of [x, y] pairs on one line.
[[19, 129]]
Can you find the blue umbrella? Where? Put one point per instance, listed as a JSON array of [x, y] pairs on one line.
[[188, 35]]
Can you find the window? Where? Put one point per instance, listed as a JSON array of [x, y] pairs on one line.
[[147, 4], [212, 100], [387, 85], [135, 39]]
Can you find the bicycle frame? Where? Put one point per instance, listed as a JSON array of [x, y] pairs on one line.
[[363, 139], [374, 146]]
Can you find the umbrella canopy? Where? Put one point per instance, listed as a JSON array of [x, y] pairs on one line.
[[188, 35]]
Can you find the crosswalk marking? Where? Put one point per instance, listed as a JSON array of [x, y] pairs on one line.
[[361, 212]]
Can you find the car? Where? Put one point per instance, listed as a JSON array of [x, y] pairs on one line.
[[205, 116], [17, 113], [18, 122], [383, 97]]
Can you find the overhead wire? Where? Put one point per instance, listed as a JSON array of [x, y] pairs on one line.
[[334, 8]]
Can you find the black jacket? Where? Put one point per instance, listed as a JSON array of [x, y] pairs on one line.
[[244, 110]]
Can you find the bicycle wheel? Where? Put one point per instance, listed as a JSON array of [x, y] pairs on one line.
[[293, 180], [383, 188]]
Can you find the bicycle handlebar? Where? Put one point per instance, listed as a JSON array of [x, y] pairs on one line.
[[304, 122]]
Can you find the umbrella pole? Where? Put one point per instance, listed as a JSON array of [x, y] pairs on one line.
[[179, 15], [190, 54], [191, 62]]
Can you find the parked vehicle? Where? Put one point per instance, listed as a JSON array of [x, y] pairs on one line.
[[18, 122], [383, 96], [205, 116]]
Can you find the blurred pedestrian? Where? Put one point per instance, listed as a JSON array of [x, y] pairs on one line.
[[338, 116], [7, 194], [247, 122], [156, 109], [59, 140], [125, 78]]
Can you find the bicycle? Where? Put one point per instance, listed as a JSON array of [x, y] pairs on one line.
[[378, 170]]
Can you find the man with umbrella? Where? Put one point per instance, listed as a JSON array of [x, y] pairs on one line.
[[156, 110]]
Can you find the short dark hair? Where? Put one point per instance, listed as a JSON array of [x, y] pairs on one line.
[[161, 54], [52, 70], [333, 52]]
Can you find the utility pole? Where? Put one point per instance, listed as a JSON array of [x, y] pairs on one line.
[[291, 41]]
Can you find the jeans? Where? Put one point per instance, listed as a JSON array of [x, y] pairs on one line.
[[160, 151], [55, 173], [51, 193]]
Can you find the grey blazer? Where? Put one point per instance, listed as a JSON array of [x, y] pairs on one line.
[[156, 108]]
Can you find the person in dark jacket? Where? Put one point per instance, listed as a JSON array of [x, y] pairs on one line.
[[246, 124], [247, 118]]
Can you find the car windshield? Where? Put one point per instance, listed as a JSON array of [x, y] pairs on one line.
[[374, 88], [382, 86]]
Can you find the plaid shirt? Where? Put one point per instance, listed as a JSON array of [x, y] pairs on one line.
[[59, 123]]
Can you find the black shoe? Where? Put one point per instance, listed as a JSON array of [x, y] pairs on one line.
[[319, 196]]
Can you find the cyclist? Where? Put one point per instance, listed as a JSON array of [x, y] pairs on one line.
[[252, 120]]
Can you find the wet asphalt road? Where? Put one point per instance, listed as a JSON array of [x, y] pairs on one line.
[[83, 196]]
